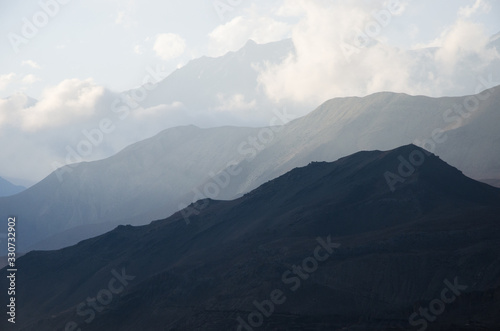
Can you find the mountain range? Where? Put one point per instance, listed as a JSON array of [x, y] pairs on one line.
[[224, 90], [158, 176], [329, 246]]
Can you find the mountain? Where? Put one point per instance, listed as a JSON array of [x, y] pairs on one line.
[[207, 91], [464, 137], [328, 246], [156, 177], [492, 182], [7, 188], [115, 188], [210, 92], [215, 81]]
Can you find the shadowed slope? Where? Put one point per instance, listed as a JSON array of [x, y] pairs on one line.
[[397, 248]]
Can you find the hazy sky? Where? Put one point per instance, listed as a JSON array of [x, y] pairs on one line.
[[76, 56], [112, 41]]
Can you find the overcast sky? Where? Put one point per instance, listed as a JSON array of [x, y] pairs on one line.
[[72, 55], [112, 41]]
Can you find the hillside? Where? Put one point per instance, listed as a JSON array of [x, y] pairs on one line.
[[392, 252], [156, 177]]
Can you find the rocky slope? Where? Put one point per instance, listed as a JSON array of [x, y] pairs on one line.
[[369, 257]]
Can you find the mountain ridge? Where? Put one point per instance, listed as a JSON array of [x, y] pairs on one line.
[[208, 273], [167, 170]]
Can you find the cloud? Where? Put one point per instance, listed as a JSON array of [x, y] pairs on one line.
[[139, 49], [169, 46], [235, 102], [158, 110], [340, 51], [30, 79], [11, 107], [31, 64], [414, 31], [319, 69], [233, 35], [468, 11], [69, 101], [125, 17], [460, 42], [120, 17], [15, 79], [6, 80]]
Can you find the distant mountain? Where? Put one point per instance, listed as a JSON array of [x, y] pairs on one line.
[[145, 178], [212, 92], [207, 91], [7, 188], [153, 178], [465, 137], [368, 257], [214, 82]]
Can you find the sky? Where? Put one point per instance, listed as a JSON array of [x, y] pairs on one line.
[[112, 41], [70, 54]]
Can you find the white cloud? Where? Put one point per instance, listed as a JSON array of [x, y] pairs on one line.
[[6, 80], [125, 17], [120, 17], [69, 101], [169, 46], [235, 102], [320, 70], [15, 79], [158, 110], [139, 49], [31, 64], [232, 35], [459, 42], [331, 61], [468, 11], [11, 107], [30, 79], [414, 31]]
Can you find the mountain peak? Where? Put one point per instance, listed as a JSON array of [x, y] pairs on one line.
[[176, 268], [250, 43], [373, 175]]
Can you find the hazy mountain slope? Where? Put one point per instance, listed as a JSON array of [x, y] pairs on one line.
[[151, 179], [147, 176], [213, 80], [475, 146], [396, 250], [7, 188], [206, 92], [342, 126]]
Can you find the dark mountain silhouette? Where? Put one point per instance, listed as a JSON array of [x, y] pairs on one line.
[[392, 252], [492, 182]]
